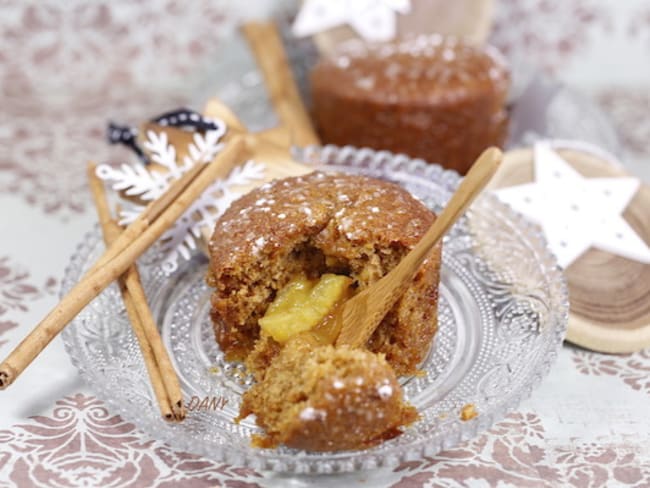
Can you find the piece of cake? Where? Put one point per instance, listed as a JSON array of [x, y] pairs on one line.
[[431, 97], [312, 225], [327, 399]]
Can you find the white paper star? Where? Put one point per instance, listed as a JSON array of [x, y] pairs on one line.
[[374, 20], [577, 213]]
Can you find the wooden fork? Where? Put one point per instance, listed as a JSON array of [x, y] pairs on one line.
[[358, 317]]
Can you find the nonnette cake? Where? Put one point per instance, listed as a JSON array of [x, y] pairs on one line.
[[430, 97], [281, 242]]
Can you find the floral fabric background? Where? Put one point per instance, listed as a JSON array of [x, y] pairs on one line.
[[68, 67]]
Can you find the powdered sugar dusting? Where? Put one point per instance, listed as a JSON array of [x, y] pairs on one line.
[[311, 413], [445, 65], [333, 205], [385, 391], [258, 245]]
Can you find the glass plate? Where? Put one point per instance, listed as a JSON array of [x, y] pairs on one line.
[[503, 312]]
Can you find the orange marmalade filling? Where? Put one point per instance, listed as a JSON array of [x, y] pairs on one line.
[[304, 304]]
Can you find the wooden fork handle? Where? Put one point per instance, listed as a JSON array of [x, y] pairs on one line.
[[470, 187], [375, 301]]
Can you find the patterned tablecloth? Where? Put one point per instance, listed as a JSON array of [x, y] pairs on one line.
[[67, 67]]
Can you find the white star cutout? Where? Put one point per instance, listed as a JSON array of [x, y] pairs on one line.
[[374, 20], [577, 213]]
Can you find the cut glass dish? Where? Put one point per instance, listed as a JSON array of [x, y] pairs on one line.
[[503, 312]]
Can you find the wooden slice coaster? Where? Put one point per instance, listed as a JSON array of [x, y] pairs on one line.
[[609, 294]]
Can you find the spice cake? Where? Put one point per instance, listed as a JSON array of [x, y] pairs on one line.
[[431, 97], [282, 258], [316, 224]]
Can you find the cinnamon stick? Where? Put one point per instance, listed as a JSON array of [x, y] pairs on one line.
[[267, 47], [164, 382], [110, 233], [93, 283], [133, 285]]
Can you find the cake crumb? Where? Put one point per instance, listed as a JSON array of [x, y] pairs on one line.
[[468, 412]]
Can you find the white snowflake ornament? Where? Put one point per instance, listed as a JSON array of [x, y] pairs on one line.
[[373, 20], [179, 241], [575, 212], [137, 180]]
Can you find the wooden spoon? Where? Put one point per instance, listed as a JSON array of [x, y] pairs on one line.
[[358, 318]]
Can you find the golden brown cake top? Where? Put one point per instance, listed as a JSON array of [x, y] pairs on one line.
[[425, 69], [274, 217]]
